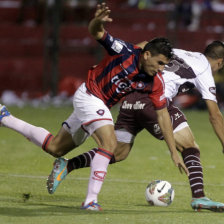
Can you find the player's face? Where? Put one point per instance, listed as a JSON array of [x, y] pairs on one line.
[[217, 64], [221, 64], [153, 64]]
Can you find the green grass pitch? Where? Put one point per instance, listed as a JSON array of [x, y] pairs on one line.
[[24, 168]]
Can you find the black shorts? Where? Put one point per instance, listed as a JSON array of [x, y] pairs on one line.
[[137, 112]]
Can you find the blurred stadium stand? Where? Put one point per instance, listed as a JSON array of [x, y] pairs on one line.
[[22, 40]]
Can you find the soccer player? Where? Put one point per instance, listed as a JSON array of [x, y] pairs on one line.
[[125, 68], [185, 71]]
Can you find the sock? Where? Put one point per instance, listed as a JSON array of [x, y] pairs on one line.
[[37, 135], [191, 157], [84, 160], [98, 172]]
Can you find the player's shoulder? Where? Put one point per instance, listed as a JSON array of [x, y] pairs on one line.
[[196, 60], [159, 77], [159, 81]]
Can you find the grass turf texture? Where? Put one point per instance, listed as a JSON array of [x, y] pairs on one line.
[[24, 168]]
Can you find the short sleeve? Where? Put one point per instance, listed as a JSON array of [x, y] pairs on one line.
[[158, 93], [206, 85]]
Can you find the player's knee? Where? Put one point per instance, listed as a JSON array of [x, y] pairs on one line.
[[191, 145], [188, 146], [185, 144], [110, 145]]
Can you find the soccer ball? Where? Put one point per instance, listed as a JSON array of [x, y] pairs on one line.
[[159, 193]]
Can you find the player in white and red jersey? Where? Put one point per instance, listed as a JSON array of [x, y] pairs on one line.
[[125, 68], [186, 70]]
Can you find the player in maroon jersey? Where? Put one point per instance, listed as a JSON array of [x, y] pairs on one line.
[[125, 68]]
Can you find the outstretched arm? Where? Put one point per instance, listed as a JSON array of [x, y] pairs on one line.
[[96, 25], [167, 130], [216, 119]]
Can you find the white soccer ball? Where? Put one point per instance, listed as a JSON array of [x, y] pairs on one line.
[[159, 193]]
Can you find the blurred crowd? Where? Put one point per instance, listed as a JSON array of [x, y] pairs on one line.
[[183, 13]]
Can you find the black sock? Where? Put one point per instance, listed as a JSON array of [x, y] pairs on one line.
[[84, 160], [191, 157]]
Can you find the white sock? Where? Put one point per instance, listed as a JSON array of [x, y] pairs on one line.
[[98, 172], [35, 134]]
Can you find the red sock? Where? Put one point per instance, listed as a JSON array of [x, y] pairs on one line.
[[46, 142]]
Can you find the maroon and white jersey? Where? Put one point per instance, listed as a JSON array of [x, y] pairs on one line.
[[188, 70]]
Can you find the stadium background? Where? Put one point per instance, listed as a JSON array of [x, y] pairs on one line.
[[46, 48], [28, 67]]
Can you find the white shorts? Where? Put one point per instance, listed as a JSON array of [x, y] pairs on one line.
[[90, 113], [180, 127], [125, 136]]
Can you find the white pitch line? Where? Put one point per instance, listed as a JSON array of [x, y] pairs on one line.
[[107, 180]]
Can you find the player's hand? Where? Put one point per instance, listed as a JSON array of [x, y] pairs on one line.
[[102, 13], [179, 163]]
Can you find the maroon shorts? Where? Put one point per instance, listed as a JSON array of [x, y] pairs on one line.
[[137, 112]]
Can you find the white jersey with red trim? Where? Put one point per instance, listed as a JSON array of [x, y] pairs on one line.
[[188, 70]]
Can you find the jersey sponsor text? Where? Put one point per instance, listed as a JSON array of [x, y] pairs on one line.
[[136, 106]]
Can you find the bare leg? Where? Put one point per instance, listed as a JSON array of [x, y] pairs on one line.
[[185, 139], [122, 151], [105, 138], [61, 144]]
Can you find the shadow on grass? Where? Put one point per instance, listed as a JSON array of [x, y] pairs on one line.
[[44, 209], [62, 205]]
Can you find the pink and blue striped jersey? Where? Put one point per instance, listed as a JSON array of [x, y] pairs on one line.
[[118, 74]]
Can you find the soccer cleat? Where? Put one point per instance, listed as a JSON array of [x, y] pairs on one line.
[[205, 203], [3, 112], [58, 174], [92, 206]]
